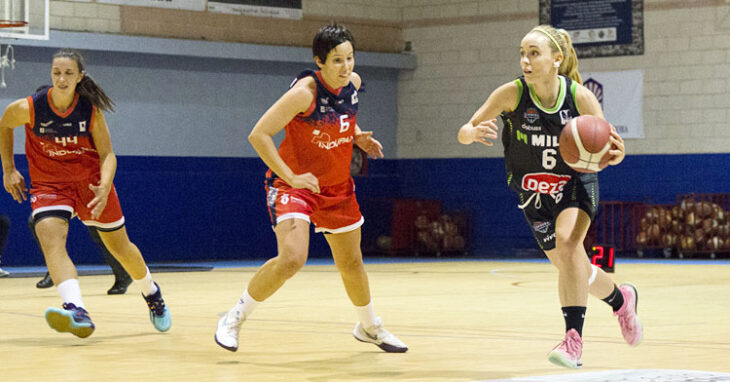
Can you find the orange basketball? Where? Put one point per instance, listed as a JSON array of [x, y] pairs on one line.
[[584, 143]]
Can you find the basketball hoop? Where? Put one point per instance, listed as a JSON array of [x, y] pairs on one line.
[[14, 13], [12, 23]]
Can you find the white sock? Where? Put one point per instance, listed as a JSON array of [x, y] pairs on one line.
[[70, 291], [366, 314], [146, 285], [246, 304]]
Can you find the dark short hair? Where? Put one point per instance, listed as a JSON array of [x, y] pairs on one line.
[[328, 37]]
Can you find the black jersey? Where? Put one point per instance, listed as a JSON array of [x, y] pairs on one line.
[[530, 139]]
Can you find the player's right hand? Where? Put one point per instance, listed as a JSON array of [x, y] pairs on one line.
[[15, 185], [485, 132], [308, 181]]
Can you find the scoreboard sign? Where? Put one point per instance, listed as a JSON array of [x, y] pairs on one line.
[[602, 257]]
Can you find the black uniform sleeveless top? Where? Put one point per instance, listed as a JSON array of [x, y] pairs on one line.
[[531, 132]]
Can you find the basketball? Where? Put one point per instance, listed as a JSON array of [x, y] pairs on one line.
[[584, 143]]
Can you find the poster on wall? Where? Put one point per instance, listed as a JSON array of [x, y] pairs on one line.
[[283, 9], [191, 5], [598, 27], [620, 94]]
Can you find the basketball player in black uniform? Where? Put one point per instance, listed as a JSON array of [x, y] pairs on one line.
[[558, 202]]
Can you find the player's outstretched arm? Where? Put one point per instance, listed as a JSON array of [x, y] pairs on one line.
[[482, 127]]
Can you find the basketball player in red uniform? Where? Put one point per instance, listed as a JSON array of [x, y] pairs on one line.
[[72, 167], [309, 182], [558, 202]]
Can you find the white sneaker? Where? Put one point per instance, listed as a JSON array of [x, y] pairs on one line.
[[228, 328], [4, 273], [377, 335]]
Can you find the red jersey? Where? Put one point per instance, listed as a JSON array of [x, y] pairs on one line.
[[320, 140], [59, 145]]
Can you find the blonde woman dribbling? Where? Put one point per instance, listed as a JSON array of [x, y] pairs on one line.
[[534, 109]]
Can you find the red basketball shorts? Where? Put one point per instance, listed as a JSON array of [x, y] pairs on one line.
[[333, 210], [73, 197]]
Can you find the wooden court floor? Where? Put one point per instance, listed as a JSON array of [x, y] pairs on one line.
[[463, 321]]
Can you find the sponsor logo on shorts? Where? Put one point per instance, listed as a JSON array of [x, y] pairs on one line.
[[271, 197], [541, 227], [296, 200], [548, 238]]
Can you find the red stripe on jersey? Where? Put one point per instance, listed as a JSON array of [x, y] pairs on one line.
[[326, 86], [310, 110], [31, 109], [93, 117], [68, 111]]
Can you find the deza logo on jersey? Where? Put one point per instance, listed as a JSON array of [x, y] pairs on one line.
[[544, 182]]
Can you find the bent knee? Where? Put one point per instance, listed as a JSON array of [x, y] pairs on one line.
[[566, 243], [350, 265], [288, 263]]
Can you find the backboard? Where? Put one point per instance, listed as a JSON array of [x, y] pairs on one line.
[[24, 19]]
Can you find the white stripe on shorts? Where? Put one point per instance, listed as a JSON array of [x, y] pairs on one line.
[[348, 228], [59, 207], [292, 215], [108, 226]]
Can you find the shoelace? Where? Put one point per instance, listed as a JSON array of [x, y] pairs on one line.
[[625, 319], [571, 346], [79, 313], [156, 304], [233, 325]]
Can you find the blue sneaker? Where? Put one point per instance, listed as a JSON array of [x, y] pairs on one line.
[[70, 319], [159, 314]]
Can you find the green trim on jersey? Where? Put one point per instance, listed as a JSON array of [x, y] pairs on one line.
[[519, 93], [558, 103], [573, 88]]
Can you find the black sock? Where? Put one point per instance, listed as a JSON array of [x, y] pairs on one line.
[[615, 299], [574, 317]]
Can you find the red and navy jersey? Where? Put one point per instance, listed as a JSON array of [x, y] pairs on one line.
[[58, 144], [320, 140]]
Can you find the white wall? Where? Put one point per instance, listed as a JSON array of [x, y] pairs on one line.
[[466, 48], [686, 66]]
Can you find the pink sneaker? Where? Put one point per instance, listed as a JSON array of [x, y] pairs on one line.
[[631, 327], [568, 352]]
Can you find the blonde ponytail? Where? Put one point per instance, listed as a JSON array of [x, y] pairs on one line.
[[569, 66]]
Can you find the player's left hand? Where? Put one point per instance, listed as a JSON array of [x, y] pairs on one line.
[[369, 144], [618, 149], [98, 204]]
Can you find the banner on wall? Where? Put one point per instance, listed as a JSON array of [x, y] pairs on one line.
[[621, 95], [598, 27], [191, 5], [283, 9]]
